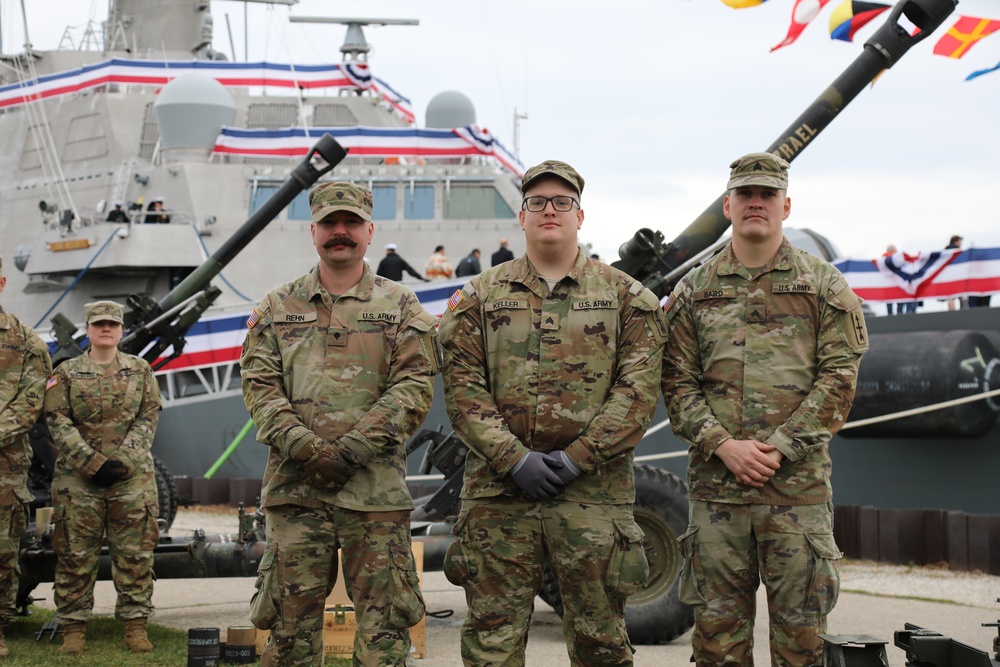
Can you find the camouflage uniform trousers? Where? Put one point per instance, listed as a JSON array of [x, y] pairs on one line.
[[729, 549], [13, 522], [84, 513], [299, 569], [498, 556]]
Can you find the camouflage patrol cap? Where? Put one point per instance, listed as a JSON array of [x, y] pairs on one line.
[[553, 168], [326, 198], [764, 169], [103, 311]]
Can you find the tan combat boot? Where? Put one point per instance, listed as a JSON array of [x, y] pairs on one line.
[[4, 651], [135, 636], [74, 637]]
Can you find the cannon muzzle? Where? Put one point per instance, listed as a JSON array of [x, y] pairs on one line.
[[647, 258], [158, 326]]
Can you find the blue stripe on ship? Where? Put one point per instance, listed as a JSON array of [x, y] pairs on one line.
[[224, 324]]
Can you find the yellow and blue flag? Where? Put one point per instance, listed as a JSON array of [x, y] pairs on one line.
[[850, 16]]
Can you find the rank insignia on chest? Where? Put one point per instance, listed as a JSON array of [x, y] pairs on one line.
[[52, 381], [253, 319], [455, 299]]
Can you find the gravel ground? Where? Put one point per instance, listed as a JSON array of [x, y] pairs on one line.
[[876, 600]]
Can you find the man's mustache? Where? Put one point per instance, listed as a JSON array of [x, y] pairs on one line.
[[341, 240]]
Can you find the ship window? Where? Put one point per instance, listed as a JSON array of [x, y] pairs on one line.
[[334, 115], [272, 116], [261, 195], [418, 203], [31, 154], [475, 202], [86, 139], [150, 134], [299, 208], [384, 202]]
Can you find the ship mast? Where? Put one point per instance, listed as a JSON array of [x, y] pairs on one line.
[[355, 47]]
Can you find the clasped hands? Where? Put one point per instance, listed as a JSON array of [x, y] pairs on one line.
[[751, 461], [543, 476], [328, 466]]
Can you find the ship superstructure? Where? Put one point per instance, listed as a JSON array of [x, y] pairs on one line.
[[155, 114]]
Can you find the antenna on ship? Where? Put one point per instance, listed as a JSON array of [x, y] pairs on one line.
[[518, 117], [355, 47]]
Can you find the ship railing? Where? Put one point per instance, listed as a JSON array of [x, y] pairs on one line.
[[199, 383], [177, 217], [902, 414]]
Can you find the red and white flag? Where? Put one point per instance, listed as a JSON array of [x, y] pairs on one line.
[[803, 12]]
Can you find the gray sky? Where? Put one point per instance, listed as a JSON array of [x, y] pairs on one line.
[[652, 99]]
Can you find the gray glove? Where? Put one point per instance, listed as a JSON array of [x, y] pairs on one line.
[[535, 474], [568, 471]]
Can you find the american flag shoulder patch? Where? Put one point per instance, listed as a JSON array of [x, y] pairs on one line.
[[668, 303], [52, 381], [455, 299], [253, 319]]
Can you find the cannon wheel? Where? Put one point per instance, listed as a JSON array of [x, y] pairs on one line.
[[654, 615], [166, 492]]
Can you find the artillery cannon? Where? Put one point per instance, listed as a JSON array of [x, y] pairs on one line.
[[654, 614], [660, 265], [153, 327]]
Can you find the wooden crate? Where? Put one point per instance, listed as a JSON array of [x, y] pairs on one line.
[[339, 627], [339, 624]]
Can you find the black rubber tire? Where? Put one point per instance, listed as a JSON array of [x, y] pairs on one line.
[[655, 614], [166, 493], [43, 465]]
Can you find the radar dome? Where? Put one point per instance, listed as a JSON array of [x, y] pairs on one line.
[[190, 111], [450, 109]]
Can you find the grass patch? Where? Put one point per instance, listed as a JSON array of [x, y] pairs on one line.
[[105, 645]]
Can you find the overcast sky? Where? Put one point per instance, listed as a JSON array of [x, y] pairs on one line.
[[651, 101]]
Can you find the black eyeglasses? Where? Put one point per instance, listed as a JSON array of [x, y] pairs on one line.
[[537, 204]]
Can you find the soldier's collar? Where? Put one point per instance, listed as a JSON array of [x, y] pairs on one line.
[[362, 291], [526, 274], [728, 264]]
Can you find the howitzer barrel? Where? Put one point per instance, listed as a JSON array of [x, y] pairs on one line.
[[647, 259], [301, 178], [216, 556]]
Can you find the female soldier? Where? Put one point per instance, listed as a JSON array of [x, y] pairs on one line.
[[102, 408]]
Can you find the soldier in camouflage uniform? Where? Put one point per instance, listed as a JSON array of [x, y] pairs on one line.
[[758, 375], [551, 370], [338, 371], [102, 408], [24, 367]]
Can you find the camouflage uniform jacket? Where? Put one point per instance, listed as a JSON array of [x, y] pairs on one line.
[[24, 368], [575, 369], [96, 414], [359, 370], [774, 359]]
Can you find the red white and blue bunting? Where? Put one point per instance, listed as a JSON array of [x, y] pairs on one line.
[[940, 273], [386, 142], [350, 76]]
